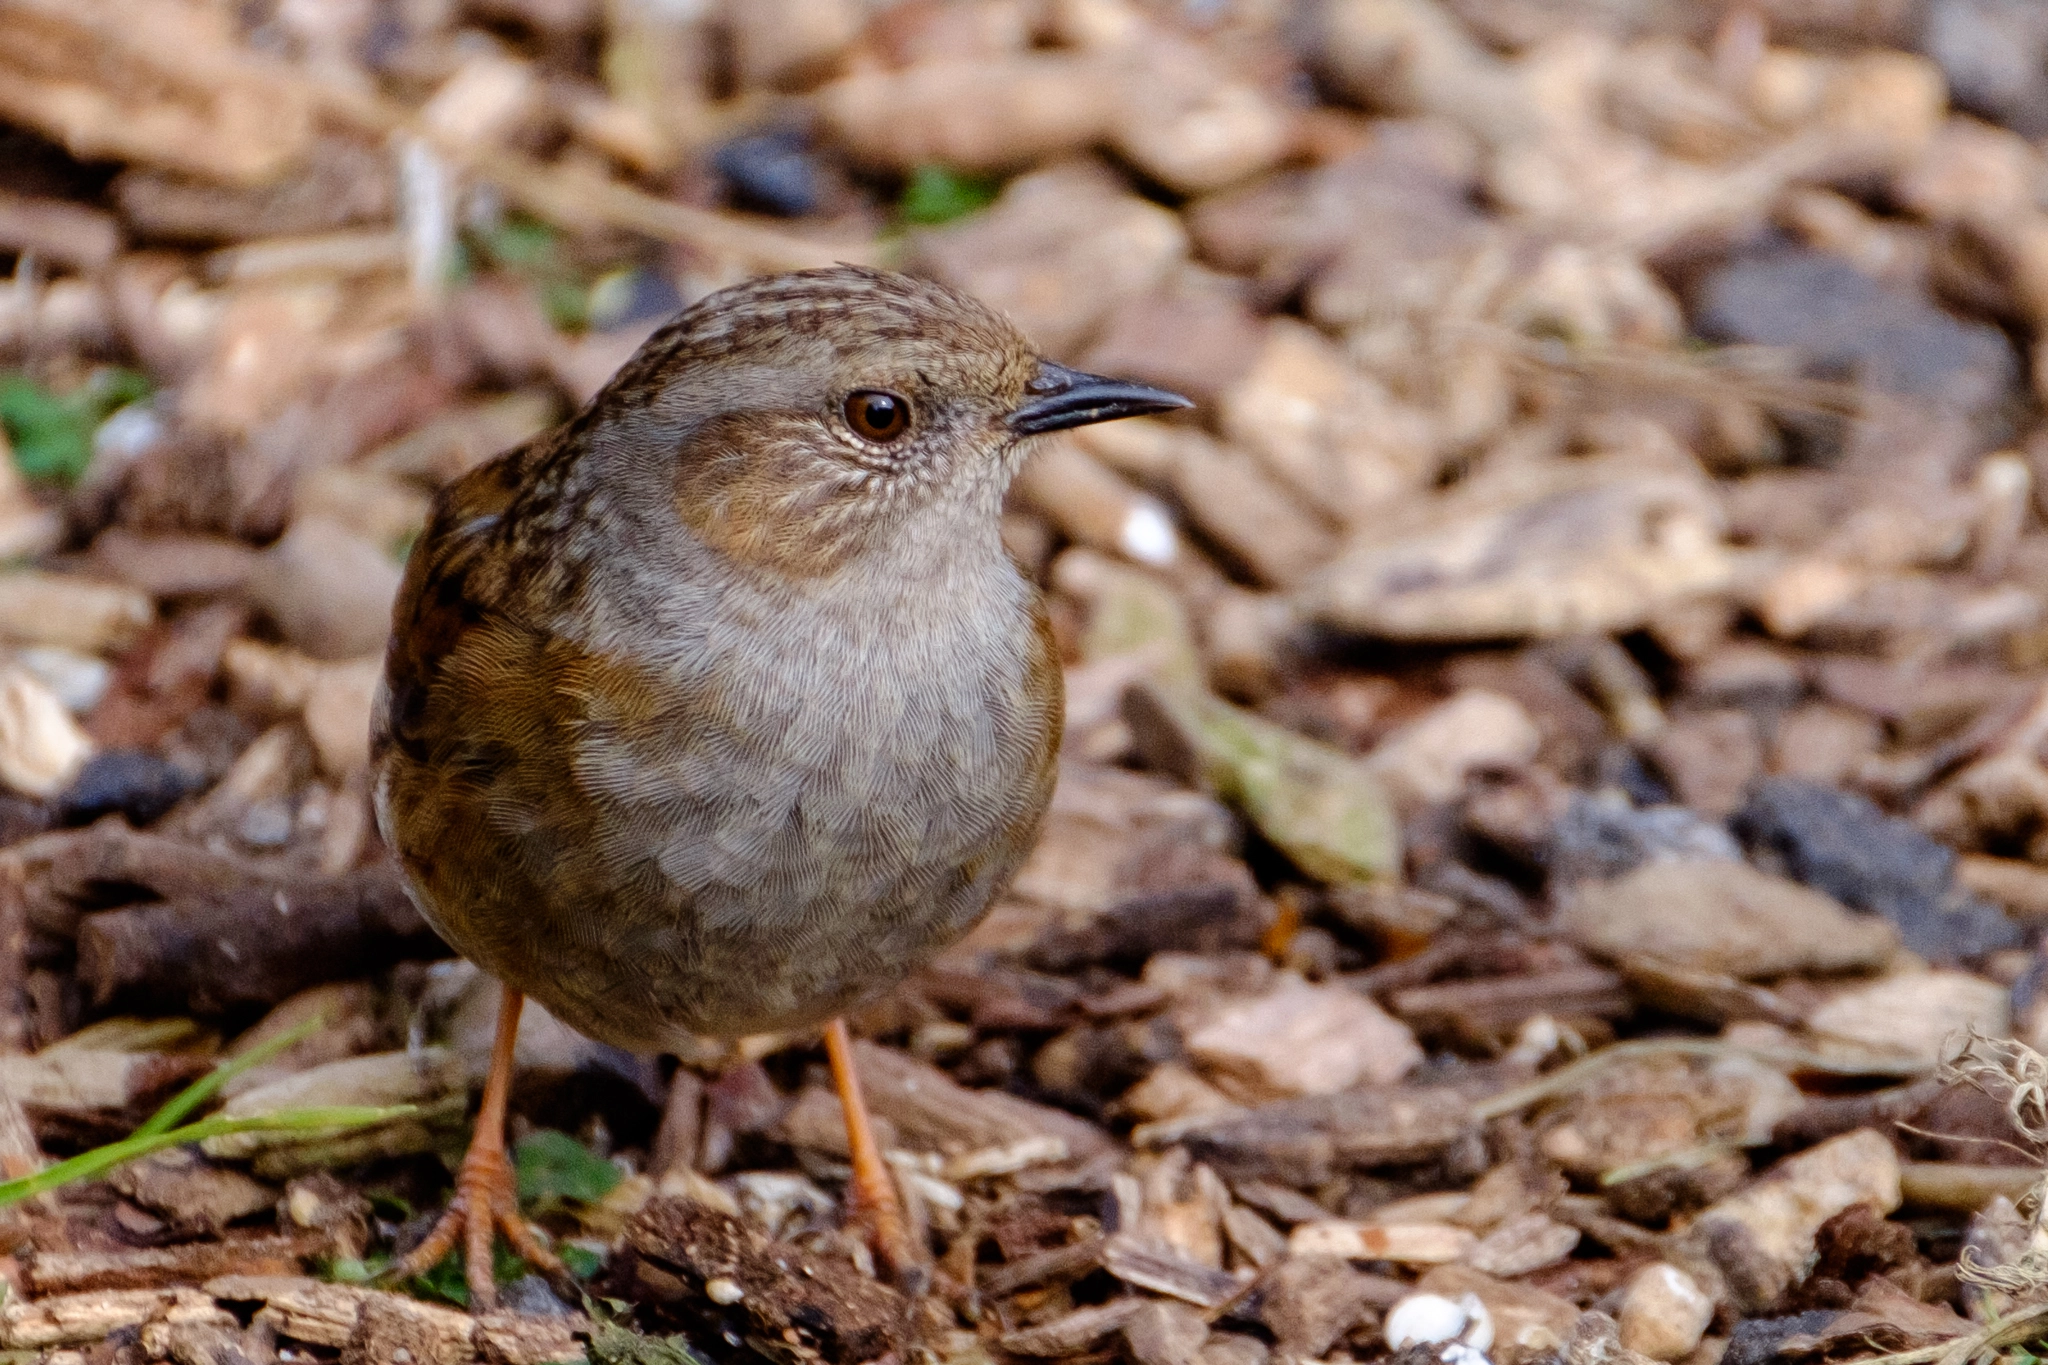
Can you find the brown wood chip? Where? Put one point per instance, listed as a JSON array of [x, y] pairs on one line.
[[1074, 1332], [150, 1267]]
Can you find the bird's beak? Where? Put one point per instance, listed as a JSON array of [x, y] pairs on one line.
[[1058, 398]]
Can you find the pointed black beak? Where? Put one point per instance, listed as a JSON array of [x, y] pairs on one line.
[[1058, 398]]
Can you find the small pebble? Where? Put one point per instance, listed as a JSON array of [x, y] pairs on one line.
[[1604, 836], [1841, 842], [124, 437], [1664, 1313], [126, 782], [79, 680], [1430, 1318], [532, 1295], [268, 824], [723, 1291], [770, 173]]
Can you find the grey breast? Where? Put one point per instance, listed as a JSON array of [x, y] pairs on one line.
[[823, 810]]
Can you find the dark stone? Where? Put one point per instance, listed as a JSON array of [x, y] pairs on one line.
[[1995, 56], [770, 173], [532, 1294], [1851, 1247], [1598, 838], [1852, 327], [1624, 768], [1755, 1341], [126, 782], [1841, 843]]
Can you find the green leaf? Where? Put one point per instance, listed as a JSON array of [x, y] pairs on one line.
[[613, 1342], [350, 1270], [52, 433], [938, 195], [581, 1260], [554, 1167], [51, 443], [523, 244], [443, 1280], [566, 303], [447, 1279], [388, 1205]]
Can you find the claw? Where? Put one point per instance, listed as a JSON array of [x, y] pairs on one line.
[[486, 1195]]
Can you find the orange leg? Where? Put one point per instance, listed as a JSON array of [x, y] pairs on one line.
[[486, 1196], [872, 1196]]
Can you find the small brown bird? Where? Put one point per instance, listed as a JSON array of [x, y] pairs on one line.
[[720, 707]]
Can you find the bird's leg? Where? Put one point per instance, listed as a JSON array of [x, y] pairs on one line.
[[486, 1196], [872, 1195]]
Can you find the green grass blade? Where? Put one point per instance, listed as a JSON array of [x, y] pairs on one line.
[[101, 1159], [207, 1086]]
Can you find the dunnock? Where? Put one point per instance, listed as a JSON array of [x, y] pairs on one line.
[[720, 707]]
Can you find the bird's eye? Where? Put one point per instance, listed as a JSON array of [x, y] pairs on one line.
[[876, 415]]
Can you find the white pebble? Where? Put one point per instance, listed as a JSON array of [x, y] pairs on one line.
[[1147, 535], [79, 680], [1429, 1318], [722, 1291], [126, 434]]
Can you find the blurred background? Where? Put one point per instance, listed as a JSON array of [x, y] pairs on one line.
[[1618, 448]]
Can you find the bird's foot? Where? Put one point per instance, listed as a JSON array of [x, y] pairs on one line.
[[486, 1201], [879, 1217]]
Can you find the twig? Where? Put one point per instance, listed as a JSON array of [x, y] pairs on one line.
[[1568, 1078], [1692, 375], [1690, 1158], [2028, 1325]]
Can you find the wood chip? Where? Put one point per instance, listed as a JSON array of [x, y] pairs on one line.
[[1303, 1142], [1060, 1263], [193, 1192], [1075, 1332], [1488, 1009], [1299, 1039], [1521, 1245], [80, 1319], [86, 1081], [391, 1327], [1150, 1264], [812, 1302], [1402, 1243], [301, 1308], [527, 1339], [933, 1112], [154, 1267]]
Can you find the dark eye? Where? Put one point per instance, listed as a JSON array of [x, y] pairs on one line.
[[877, 416]]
